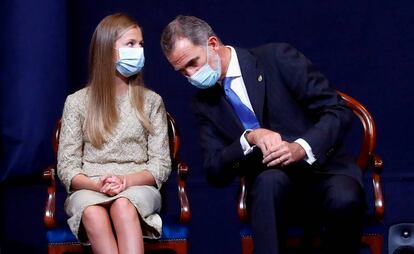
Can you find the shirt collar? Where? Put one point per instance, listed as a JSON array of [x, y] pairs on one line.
[[234, 68]]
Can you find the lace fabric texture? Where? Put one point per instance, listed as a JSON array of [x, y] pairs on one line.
[[129, 149]]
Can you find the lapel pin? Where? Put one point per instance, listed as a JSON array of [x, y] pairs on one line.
[[260, 78]]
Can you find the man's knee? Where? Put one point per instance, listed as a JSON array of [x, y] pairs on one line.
[[346, 198], [270, 185], [271, 179]]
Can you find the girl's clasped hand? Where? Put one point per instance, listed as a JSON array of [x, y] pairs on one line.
[[112, 185]]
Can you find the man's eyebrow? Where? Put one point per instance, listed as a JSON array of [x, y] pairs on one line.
[[189, 63]]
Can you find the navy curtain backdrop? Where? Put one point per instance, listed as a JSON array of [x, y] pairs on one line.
[[33, 83], [365, 48]]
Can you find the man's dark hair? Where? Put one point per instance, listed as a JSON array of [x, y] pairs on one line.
[[190, 27]]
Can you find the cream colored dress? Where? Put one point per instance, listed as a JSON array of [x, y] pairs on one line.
[[129, 149]]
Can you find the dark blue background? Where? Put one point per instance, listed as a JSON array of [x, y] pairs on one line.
[[365, 48]]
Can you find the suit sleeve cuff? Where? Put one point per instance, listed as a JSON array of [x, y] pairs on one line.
[[310, 157], [247, 148]]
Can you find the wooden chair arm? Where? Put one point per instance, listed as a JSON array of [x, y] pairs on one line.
[[377, 167], [182, 172], [50, 207], [242, 207]]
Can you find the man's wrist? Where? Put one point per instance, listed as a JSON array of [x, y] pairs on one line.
[[309, 157], [246, 135], [246, 146]]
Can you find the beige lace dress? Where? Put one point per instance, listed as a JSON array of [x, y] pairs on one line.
[[129, 149]]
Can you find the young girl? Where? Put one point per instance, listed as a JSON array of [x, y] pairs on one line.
[[113, 150]]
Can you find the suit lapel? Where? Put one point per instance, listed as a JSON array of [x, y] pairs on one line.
[[254, 80], [231, 121]]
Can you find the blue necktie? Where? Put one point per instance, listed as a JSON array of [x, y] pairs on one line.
[[246, 116]]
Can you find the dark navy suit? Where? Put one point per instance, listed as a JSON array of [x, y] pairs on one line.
[[291, 97]]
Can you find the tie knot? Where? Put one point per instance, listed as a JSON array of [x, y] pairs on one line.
[[227, 82]]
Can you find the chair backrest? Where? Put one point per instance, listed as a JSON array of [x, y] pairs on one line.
[[173, 135], [369, 130]]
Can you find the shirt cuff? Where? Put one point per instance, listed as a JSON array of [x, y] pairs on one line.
[[310, 157], [247, 148]]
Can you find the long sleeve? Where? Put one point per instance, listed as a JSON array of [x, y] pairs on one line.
[[159, 162], [329, 113], [221, 159], [69, 161]]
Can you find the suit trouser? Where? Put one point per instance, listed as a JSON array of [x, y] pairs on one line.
[[336, 201]]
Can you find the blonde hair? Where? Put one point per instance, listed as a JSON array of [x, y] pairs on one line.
[[102, 114]]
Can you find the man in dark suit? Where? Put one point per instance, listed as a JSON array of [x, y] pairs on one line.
[[268, 114]]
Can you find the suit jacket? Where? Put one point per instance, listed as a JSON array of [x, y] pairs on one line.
[[288, 96]]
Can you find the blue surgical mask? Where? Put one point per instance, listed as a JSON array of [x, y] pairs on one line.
[[131, 61], [206, 77]]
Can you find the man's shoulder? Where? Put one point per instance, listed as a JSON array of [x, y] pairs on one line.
[[272, 54]]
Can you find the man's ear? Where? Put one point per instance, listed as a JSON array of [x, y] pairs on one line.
[[214, 42]]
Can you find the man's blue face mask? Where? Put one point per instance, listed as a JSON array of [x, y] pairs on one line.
[[131, 61], [206, 76]]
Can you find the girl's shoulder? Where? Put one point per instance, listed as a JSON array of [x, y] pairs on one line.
[[151, 96], [77, 99]]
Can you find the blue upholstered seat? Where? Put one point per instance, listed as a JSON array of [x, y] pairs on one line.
[[170, 231], [60, 235], [374, 229], [246, 231]]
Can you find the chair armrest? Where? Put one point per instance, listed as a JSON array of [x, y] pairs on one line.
[[49, 216], [242, 208], [182, 172], [377, 167]]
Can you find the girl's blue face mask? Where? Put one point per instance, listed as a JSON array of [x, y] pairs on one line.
[[131, 61], [206, 77]]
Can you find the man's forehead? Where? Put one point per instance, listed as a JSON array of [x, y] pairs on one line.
[[184, 50], [182, 45]]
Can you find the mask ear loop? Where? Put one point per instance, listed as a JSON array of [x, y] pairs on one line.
[[207, 53], [218, 64]]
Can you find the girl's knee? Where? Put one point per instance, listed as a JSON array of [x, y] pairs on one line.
[[123, 207], [93, 213]]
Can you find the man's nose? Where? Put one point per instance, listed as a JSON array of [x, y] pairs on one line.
[[188, 72]]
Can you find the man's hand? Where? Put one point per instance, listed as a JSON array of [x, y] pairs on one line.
[[284, 154], [276, 152], [264, 139]]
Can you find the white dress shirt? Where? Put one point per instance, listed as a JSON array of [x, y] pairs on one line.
[[238, 86]]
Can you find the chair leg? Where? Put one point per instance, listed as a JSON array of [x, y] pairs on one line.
[[247, 245], [179, 247], [182, 250], [374, 243], [61, 249]]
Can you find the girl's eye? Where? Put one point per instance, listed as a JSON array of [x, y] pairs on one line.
[[141, 43]]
